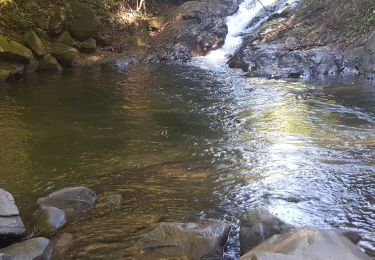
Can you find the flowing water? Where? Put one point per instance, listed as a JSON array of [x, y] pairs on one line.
[[181, 143]]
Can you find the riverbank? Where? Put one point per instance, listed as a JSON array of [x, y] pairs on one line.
[[283, 39]]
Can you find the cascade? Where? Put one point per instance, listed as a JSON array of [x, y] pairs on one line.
[[238, 26]]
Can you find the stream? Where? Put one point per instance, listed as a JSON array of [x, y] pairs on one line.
[[181, 143]]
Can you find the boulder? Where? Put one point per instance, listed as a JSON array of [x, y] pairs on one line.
[[306, 243], [88, 46], [192, 29], [65, 54], [67, 39], [202, 240], [5, 257], [35, 44], [84, 22], [49, 63], [48, 220], [257, 226], [275, 61], [74, 201], [14, 51], [361, 57], [32, 249], [11, 226], [10, 70]]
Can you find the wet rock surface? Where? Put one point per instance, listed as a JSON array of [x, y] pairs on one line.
[[192, 29], [74, 201], [48, 220], [257, 226], [306, 243], [202, 240], [11, 225], [279, 61], [61, 245], [32, 249]]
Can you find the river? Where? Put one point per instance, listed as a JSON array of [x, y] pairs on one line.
[[181, 143]]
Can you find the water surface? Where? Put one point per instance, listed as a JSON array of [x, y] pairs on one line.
[[181, 143]]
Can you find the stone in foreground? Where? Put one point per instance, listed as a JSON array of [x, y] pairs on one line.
[[202, 240], [14, 51], [74, 201], [11, 226], [257, 226], [49, 219], [39, 248], [306, 243]]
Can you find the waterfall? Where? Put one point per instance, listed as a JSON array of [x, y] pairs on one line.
[[238, 26]]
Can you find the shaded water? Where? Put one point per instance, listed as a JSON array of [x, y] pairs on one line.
[[181, 143]]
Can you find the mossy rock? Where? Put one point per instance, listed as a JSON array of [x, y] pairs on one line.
[[49, 63], [33, 41], [65, 54], [10, 70], [14, 51], [84, 22], [88, 46], [67, 39]]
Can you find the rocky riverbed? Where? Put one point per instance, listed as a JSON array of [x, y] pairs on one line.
[[262, 235]]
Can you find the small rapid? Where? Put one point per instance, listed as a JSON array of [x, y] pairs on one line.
[[251, 14]]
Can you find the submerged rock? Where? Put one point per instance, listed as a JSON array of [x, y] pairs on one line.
[[74, 201], [202, 240], [11, 226], [10, 70], [14, 51], [109, 200], [306, 243], [257, 226], [49, 63], [49, 219], [65, 54], [32, 249], [62, 244], [35, 44], [84, 22]]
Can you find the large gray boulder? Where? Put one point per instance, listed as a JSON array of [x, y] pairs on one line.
[[48, 220], [257, 226], [11, 226], [279, 61], [361, 56], [306, 243], [202, 240], [74, 201], [39, 248]]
